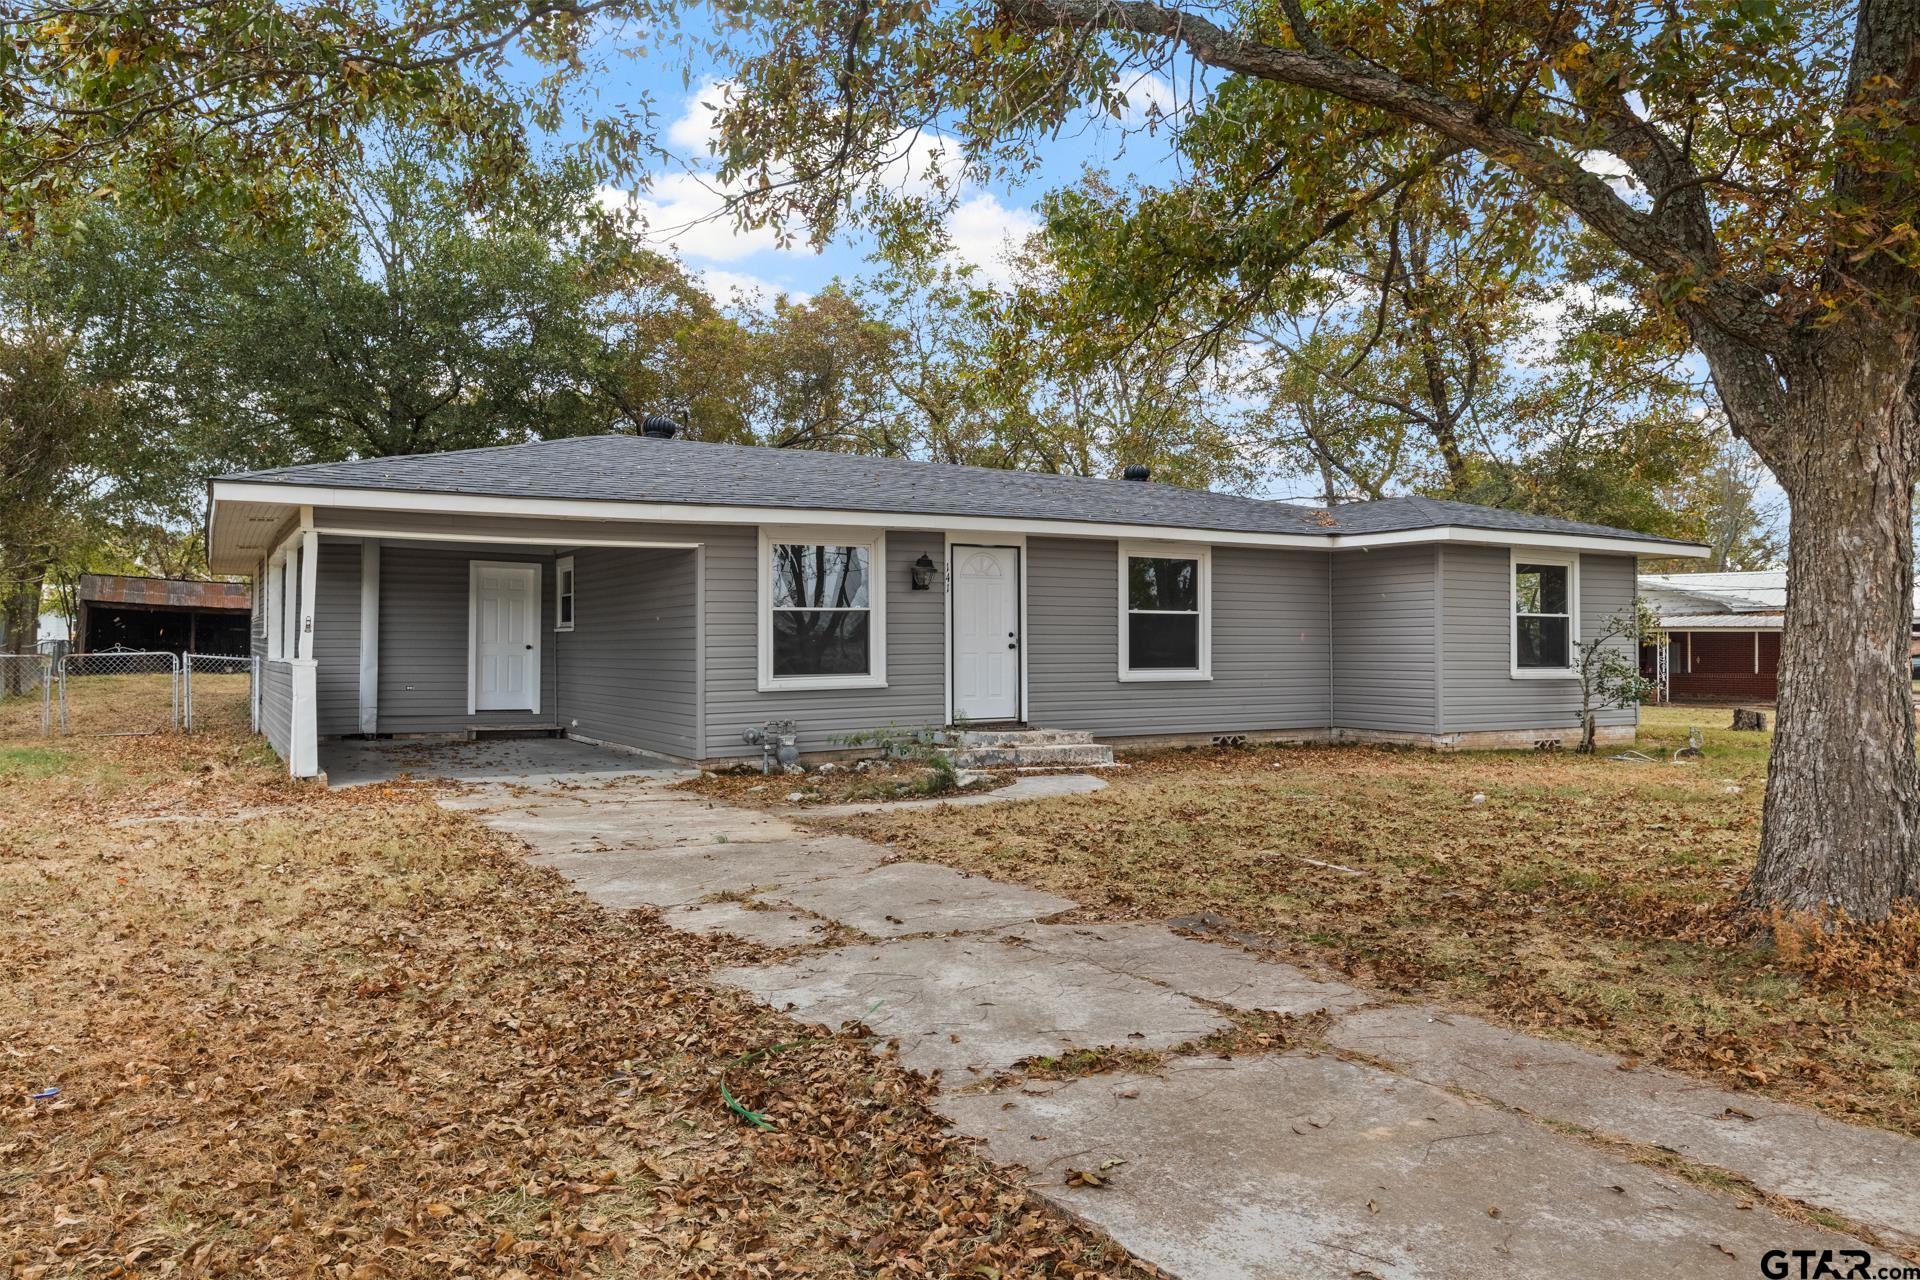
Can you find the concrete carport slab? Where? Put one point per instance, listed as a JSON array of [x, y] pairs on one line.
[[353, 762]]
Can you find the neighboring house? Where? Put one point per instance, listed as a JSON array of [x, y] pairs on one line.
[[665, 595], [173, 615], [49, 637], [1723, 633]]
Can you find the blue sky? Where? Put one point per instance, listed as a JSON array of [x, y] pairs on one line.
[[680, 198]]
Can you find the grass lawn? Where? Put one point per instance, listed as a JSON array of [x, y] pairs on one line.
[[356, 1035], [1583, 897]]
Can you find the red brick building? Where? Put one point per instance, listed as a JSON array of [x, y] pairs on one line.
[[1723, 634]]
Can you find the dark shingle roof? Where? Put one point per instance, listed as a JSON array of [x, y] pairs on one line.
[[623, 468]]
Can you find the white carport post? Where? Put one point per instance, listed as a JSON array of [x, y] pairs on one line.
[[370, 636], [303, 757]]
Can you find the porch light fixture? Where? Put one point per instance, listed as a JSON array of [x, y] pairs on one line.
[[922, 573]]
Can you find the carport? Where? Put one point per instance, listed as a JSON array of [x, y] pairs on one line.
[[529, 761]]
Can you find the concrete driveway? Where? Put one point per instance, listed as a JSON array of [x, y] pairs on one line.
[[529, 761], [1389, 1139]]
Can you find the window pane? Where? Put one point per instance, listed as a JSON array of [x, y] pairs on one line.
[[566, 608], [1163, 642], [1156, 583], [819, 577], [1540, 588], [1543, 642], [807, 643]]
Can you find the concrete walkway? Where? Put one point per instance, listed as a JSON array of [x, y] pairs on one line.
[[1402, 1142]]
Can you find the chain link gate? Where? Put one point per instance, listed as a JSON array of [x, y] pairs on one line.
[[27, 700], [119, 692], [219, 691]]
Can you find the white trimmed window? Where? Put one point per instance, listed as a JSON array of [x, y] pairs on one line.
[[1166, 612], [563, 594], [1546, 613], [822, 609]]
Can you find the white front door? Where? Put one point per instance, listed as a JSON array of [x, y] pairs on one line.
[[986, 633], [505, 636]]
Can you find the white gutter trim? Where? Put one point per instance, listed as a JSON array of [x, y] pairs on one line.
[[315, 496], [503, 540]]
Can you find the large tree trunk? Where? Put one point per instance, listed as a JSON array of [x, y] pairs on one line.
[[1843, 791], [22, 612]]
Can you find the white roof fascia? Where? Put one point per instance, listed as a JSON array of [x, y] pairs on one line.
[[698, 513]]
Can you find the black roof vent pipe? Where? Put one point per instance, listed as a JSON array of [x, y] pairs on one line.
[[659, 427], [1137, 471]]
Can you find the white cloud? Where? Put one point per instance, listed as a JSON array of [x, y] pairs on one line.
[[728, 287], [1549, 320], [1607, 165], [982, 231], [1149, 95], [688, 212], [693, 132]]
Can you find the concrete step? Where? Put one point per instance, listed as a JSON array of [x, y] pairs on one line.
[[1040, 755], [1023, 737]]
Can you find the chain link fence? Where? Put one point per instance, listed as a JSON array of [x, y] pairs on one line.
[[219, 692], [27, 700], [119, 691]]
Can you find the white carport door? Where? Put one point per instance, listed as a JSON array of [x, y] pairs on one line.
[[506, 636]]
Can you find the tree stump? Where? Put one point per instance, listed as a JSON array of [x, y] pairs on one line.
[[1750, 719]]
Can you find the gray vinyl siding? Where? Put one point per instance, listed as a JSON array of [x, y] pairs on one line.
[[423, 640], [1385, 659], [1269, 645], [336, 638], [1302, 639], [1479, 690], [915, 693], [629, 670], [276, 706]]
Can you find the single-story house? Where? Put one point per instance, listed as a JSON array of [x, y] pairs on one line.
[[1723, 634], [168, 615], [665, 595]]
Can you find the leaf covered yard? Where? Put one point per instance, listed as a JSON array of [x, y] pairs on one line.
[[1583, 897], [356, 1035]]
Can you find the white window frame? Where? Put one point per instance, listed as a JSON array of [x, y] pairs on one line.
[[565, 587], [1168, 551], [1517, 556], [875, 542]]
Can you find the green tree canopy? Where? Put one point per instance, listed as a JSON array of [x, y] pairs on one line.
[[237, 107]]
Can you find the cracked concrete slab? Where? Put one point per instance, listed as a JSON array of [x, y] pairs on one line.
[[970, 1006], [769, 928], [1039, 787], [668, 877], [1309, 1166], [1205, 970], [1871, 1176], [651, 828], [918, 897]]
